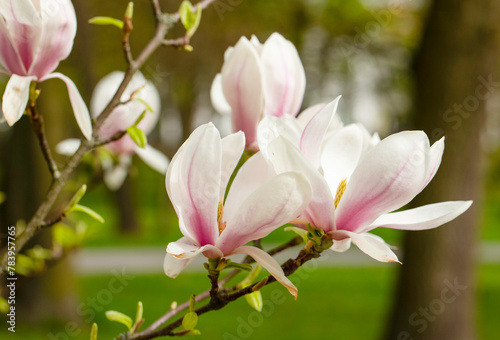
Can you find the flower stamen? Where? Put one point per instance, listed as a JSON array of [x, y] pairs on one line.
[[340, 191], [220, 213]]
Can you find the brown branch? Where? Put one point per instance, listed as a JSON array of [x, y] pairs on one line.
[[206, 294], [181, 42], [38, 126], [156, 9], [309, 252], [118, 135]]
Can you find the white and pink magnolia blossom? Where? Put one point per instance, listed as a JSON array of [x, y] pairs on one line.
[[259, 80], [35, 35], [257, 203], [358, 181], [122, 117]]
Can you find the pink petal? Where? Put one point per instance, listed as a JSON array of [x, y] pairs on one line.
[[286, 157], [274, 204], [193, 184], [315, 131], [80, 110], [422, 218], [15, 98], [58, 33], [270, 264], [386, 178], [242, 86], [185, 248], [284, 77]]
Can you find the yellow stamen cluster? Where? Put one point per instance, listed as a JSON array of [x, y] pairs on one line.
[[220, 212], [340, 191]]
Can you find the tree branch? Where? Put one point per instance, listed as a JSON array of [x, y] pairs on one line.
[[38, 126], [309, 252]]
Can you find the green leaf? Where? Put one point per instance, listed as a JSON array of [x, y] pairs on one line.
[[113, 315], [189, 18], [40, 253], [2, 197], [255, 300], [129, 13], [106, 21], [88, 211], [138, 136], [138, 314], [148, 107], [93, 332], [193, 332], [190, 321], [77, 197], [301, 232]]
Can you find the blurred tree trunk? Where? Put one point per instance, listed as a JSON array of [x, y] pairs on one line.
[[455, 75]]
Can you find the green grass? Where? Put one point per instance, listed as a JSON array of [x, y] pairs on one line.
[[339, 303]]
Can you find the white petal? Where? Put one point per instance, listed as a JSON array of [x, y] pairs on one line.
[[154, 158], [270, 264], [68, 147], [272, 127], [219, 102], [15, 98], [173, 266], [232, 148], [370, 244], [386, 178], [314, 133], [422, 218], [193, 184], [341, 246], [284, 77], [341, 154], [286, 157], [274, 204], [80, 110], [185, 248], [251, 176], [115, 176], [242, 86]]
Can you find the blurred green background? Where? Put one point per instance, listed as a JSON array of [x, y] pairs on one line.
[[374, 76]]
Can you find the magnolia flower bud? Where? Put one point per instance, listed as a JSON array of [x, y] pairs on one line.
[[124, 116], [34, 37], [259, 79]]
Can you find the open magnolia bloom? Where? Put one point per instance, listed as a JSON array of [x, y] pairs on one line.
[[257, 203], [122, 117], [259, 80], [357, 182], [35, 35]]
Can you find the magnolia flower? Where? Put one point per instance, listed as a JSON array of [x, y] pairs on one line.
[[357, 182], [258, 80], [34, 37], [120, 119], [256, 204]]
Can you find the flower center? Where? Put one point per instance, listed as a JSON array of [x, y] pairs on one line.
[[340, 191], [220, 212]]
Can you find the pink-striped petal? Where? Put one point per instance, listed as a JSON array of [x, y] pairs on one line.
[[242, 86], [386, 178], [270, 264], [193, 184], [80, 109], [422, 218], [315, 131], [284, 80]]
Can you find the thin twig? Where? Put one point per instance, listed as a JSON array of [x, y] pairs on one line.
[[118, 135], [156, 9], [38, 126], [179, 42]]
